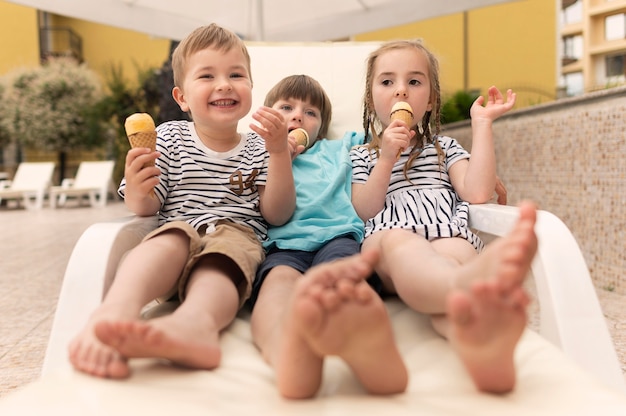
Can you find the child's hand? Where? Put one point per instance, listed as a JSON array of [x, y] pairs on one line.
[[294, 148], [272, 127], [396, 137], [495, 107], [141, 180]]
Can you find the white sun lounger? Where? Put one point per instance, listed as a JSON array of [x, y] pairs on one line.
[[93, 180], [568, 368], [29, 184]]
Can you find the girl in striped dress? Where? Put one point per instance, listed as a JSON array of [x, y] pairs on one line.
[[413, 187]]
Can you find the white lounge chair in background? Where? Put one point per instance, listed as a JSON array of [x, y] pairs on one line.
[[29, 184], [93, 179]]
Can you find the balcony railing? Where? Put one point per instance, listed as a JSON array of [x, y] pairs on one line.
[[60, 41]]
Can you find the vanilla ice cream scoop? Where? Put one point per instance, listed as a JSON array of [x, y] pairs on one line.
[[402, 111], [301, 136]]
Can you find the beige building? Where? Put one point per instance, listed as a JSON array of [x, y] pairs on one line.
[[478, 48], [510, 45], [593, 44], [542, 49]]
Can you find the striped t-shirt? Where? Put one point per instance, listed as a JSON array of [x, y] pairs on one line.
[[427, 203], [200, 186]]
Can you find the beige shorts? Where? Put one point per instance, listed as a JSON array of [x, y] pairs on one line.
[[237, 242]]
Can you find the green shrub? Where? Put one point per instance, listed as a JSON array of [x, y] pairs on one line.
[[457, 107]]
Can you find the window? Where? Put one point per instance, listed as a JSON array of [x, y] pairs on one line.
[[572, 12], [615, 66], [572, 48], [615, 27], [574, 83]]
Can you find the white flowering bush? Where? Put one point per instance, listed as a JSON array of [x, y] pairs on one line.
[[52, 107]]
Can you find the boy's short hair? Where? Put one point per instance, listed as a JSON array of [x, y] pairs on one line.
[[204, 37], [305, 88]]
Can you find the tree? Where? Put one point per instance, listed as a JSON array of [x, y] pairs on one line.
[[5, 137], [124, 98], [53, 107]]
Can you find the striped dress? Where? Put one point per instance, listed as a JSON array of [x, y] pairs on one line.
[[201, 186], [428, 204]]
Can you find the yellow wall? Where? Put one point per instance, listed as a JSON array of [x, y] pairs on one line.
[[19, 45], [511, 45], [102, 45], [443, 36], [105, 45]]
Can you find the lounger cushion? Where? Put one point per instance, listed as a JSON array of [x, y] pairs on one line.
[[549, 384]]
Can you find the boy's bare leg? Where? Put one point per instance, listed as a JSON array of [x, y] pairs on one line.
[[134, 286], [486, 322], [334, 311], [89, 355], [270, 308], [190, 335]]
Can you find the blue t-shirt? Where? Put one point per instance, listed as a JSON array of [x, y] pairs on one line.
[[324, 208]]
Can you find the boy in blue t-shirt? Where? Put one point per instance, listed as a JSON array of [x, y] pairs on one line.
[[299, 315]]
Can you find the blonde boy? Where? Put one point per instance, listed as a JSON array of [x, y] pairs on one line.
[[215, 190]]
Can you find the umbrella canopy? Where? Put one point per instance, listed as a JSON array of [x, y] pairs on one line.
[[259, 20]]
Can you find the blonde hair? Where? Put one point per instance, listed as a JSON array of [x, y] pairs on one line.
[[430, 124], [204, 37], [305, 88]]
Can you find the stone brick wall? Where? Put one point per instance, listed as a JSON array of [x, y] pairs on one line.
[[569, 157]]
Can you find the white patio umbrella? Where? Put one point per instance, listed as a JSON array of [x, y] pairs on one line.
[[260, 20]]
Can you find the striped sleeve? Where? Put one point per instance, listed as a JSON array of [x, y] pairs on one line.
[[361, 164]]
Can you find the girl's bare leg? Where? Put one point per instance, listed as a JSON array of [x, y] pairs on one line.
[[486, 322], [484, 329], [421, 272], [477, 301], [424, 273]]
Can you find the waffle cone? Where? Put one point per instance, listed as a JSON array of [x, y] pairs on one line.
[[402, 111], [403, 115], [144, 139], [301, 136]]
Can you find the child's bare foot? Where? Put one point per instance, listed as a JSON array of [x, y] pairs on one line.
[[506, 259], [187, 342], [487, 322], [334, 311], [89, 355], [484, 330]]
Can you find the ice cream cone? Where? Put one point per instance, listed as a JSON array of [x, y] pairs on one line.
[[301, 137], [144, 139], [402, 111], [141, 132]]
